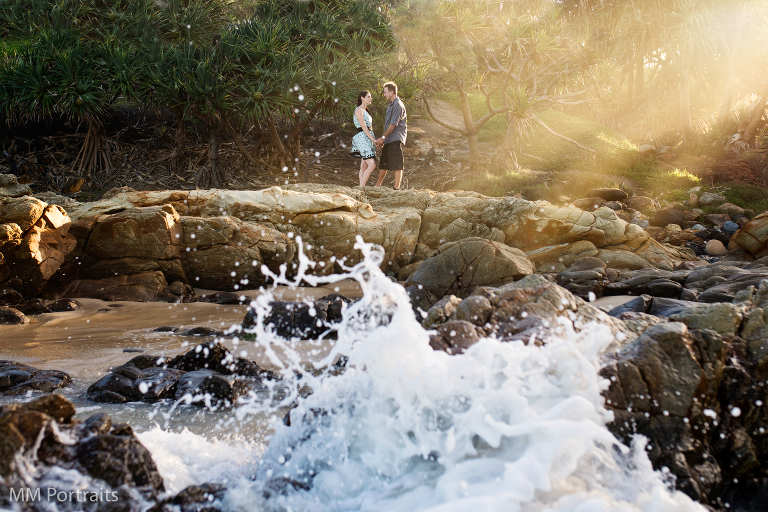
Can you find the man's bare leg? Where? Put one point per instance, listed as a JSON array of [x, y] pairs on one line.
[[398, 179], [382, 175]]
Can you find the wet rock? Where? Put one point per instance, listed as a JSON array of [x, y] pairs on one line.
[[10, 296], [455, 336], [128, 383], [458, 266], [112, 462], [12, 316], [16, 378], [228, 298], [201, 331], [475, 309], [151, 378], [195, 498], [118, 458], [211, 388], [299, 319], [441, 311]]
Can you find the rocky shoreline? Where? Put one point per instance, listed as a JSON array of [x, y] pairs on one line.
[[688, 369]]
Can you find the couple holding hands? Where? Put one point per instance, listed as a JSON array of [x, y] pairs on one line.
[[364, 143]]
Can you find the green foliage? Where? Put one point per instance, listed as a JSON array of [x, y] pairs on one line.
[[615, 154]]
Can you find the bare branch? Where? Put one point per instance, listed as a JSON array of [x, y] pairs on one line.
[[440, 122], [562, 137]]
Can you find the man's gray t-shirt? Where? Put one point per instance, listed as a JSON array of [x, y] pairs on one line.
[[396, 115]]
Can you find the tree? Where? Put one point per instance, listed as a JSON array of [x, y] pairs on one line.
[[515, 55]]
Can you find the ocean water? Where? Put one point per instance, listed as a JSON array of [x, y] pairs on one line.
[[401, 427], [501, 427]]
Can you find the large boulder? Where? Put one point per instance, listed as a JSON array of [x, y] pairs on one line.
[[217, 247], [753, 237], [457, 267], [34, 241], [144, 287]]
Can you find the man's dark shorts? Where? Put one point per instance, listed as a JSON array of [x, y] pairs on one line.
[[392, 156]]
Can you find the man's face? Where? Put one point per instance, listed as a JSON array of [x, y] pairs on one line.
[[389, 95]]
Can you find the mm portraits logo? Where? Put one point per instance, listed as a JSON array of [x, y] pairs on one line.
[[32, 494]]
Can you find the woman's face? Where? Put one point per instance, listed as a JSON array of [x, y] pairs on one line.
[[367, 99]]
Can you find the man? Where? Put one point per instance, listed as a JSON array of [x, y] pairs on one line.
[[393, 140]]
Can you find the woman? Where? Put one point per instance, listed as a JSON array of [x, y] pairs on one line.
[[363, 143]]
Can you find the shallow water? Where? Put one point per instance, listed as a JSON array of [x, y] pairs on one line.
[[504, 426]]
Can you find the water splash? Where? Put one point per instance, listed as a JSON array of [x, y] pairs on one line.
[[503, 426]]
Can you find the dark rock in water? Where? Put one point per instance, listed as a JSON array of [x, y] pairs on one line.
[[195, 498], [11, 316], [228, 298], [166, 328], [33, 307], [219, 389], [201, 331], [58, 306], [119, 459], [208, 368], [302, 320], [609, 194], [112, 462], [16, 378], [455, 336], [128, 383], [133, 350], [147, 361]]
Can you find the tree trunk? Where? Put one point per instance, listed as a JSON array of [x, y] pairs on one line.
[[505, 155], [640, 63], [630, 82], [94, 155], [732, 55], [685, 95], [181, 141], [754, 121], [469, 124], [211, 176]]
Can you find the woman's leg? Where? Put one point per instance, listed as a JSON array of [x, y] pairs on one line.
[[360, 174], [370, 165]]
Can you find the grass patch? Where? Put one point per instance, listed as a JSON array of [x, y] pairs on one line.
[[749, 197], [12, 47], [542, 151], [498, 185]]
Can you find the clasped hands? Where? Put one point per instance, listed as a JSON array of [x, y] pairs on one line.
[[379, 143]]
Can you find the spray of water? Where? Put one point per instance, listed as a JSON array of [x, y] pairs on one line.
[[503, 426]]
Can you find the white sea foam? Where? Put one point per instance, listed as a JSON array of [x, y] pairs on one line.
[[504, 426], [185, 458]]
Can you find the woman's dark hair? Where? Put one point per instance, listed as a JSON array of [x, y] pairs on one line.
[[360, 97]]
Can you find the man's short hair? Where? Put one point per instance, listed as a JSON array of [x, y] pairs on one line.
[[391, 87]]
